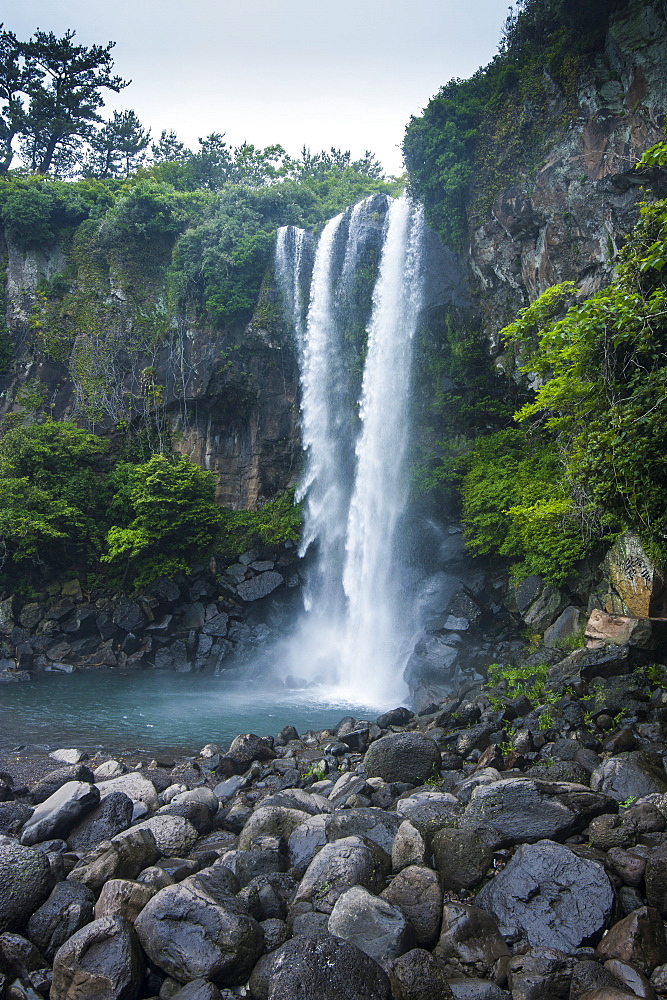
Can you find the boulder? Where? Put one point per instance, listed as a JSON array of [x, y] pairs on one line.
[[123, 897], [540, 972], [524, 811], [111, 816], [429, 811], [198, 989], [25, 882], [410, 757], [305, 840], [55, 779], [174, 835], [409, 848], [135, 786], [635, 577], [395, 717], [68, 909], [638, 939], [259, 586], [603, 629], [418, 894], [552, 897], [417, 975], [462, 858], [13, 816], [339, 866], [198, 929], [57, 815], [125, 856], [319, 966], [372, 923], [469, 936], [102, 961], [376, 825], [274, 821], [629, 775]]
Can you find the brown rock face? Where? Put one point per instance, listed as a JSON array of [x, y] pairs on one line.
[[620, 630], [638, 939], [635, 578]]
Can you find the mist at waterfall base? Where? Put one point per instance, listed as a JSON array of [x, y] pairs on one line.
[[362, 592]]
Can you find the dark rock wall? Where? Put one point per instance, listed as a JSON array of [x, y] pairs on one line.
[[569, 221]]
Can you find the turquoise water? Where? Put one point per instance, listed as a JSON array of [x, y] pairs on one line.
[[118, 712]]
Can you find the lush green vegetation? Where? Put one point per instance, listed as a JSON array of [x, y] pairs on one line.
[[477, 135], [65, 501], [584, 457]]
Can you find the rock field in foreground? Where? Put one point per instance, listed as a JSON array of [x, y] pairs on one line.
[[490, 848]]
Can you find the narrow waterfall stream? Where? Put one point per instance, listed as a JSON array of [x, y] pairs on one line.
[[355, 633]]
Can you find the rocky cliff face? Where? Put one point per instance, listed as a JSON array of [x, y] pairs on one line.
[[569, 221], [228, 400]]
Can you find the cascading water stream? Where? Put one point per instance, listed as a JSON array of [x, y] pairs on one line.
[[374, 641], [354, 484]]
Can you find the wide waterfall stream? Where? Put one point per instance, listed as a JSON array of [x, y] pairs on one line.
[[356, 631]]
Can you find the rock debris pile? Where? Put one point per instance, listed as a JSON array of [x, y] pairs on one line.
[[487, 849]]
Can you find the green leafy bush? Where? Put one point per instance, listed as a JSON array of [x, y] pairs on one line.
[[173, 517], [277, 520]]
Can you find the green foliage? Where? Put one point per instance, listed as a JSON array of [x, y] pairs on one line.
[[33, 523], [526, 680], [173, 516], [516, 503], [68, 465], [277, 520]]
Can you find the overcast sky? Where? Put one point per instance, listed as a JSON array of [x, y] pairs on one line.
[[348, 73]]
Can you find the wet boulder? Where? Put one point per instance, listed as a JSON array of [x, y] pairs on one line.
[[629, 775], [540, 972], [123, 897], [68, 909], [111, 816], [417, 975], [409, 848], [525, 811], [57, 815], [374, 924], [339, 866], [25, 882], [418, 894], [429, 811], [462, 858], [321, 966], [125, 856], [174, 835], [135, 786], [198, 929], [638, 939], [552, 897], [469, 936], [102, 961], [376, 825], [410, 757], [55, 779], [273, 821], [13, 816]]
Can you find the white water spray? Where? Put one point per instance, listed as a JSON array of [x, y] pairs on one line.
[[354, 634]]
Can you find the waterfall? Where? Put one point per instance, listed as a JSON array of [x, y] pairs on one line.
[[355, 631]]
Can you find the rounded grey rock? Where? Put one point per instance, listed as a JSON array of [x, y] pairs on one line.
[[409, 757], [25, 882]]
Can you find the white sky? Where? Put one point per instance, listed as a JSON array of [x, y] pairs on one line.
[[347, 74]]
